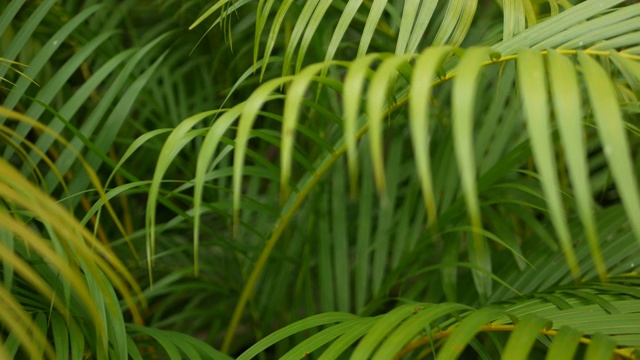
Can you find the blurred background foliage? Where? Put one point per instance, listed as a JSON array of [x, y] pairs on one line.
[[320, 179]]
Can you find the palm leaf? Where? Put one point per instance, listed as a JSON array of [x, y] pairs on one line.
[[67, 237], [555, 31], [466, 170], [446, 329]]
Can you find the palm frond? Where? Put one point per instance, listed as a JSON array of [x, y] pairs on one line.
[[460, 174], [465, 69], [87, 280], [539, 324]]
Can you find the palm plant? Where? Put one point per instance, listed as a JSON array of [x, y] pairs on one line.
[[280, 179]]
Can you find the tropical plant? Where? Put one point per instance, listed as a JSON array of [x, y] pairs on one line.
[[323, 179]]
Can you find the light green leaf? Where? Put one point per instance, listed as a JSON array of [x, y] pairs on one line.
[[522, 339], [532, 85], [464, 332], [463, 104], [612, 134]]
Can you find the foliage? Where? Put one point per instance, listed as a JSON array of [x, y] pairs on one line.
[[285, 179]]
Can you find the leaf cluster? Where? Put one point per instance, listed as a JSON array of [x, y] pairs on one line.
[[285, 179]]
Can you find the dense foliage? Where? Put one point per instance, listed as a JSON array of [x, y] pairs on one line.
[[323, 179]]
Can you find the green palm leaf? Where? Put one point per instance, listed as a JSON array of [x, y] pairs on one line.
[[420, 179]]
